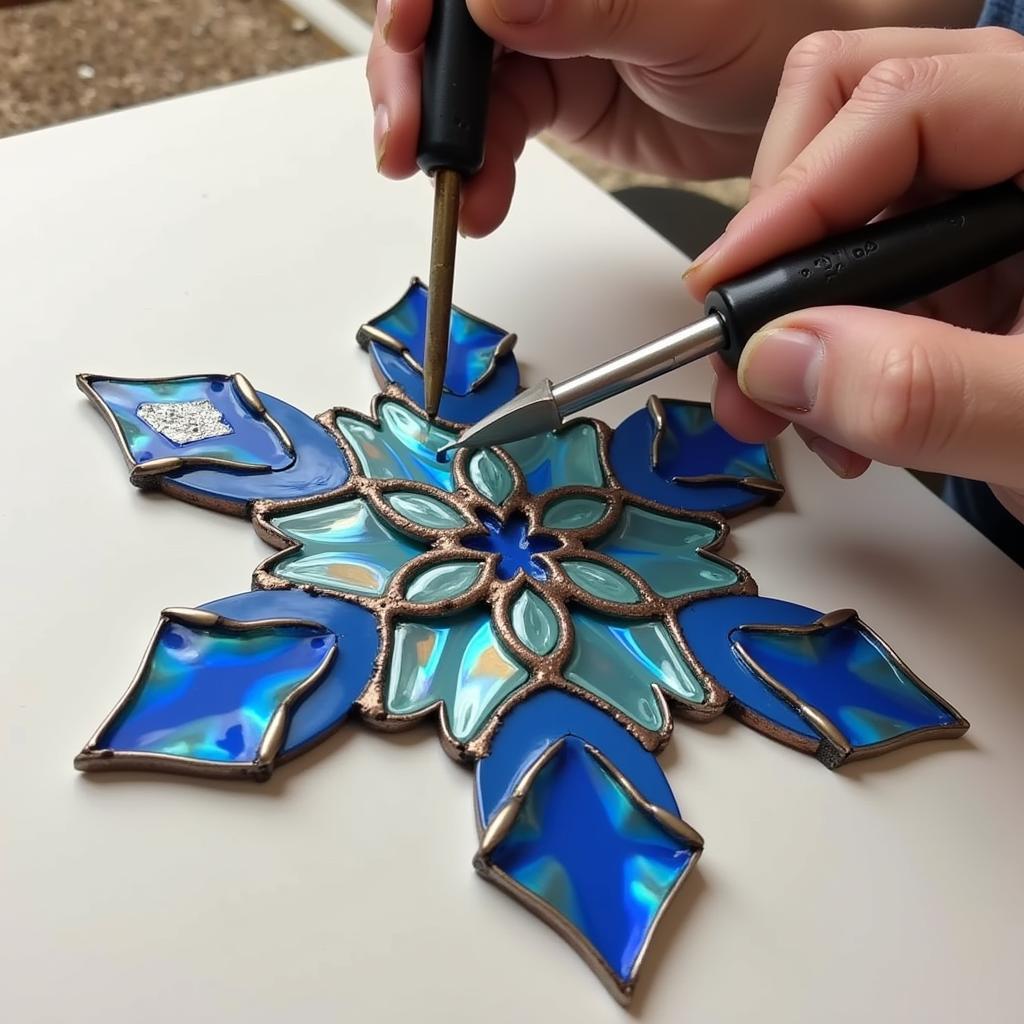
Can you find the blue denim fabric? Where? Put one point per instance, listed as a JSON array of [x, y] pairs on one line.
[[1007, 13]]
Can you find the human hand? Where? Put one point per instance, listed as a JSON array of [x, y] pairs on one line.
[[867, 121], [676, 87]]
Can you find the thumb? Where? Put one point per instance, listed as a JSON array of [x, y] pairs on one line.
[[900, 389], [641, 33]]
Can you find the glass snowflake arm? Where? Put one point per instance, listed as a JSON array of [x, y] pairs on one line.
[[825, 684], [234, 687], [213, 440], [578, 823]]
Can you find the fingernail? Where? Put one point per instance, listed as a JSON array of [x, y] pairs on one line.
[[381, 126], [782, 367], [835, 456], [520, 12], [385, 14], [704, 257]]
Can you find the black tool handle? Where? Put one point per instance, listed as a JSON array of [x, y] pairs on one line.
[[885, 265], [457, 63]]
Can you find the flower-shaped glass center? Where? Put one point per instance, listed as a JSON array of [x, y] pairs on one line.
[[515, 547]]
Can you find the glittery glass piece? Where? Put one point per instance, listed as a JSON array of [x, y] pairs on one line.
[[210, 693], [574, 513], [516, 549], [664, 550], [458, 662], [622, 661], [443, 582], [184, 422], [403, 447], [534, 622], [535, 724], [245, 440], [423, 510], [601, 581], [691, 446], [599, 860], [490, 476], [569, 456], [345, 546], [471, 344]]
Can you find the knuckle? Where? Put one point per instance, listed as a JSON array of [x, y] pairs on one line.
[[615, 15], [896, 78], [817, 50], [917, 402]]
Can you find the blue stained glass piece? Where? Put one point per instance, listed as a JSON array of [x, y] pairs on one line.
[[622, 660], [403, 447], [500, 387], [458, 662], [471, 343], [210, 693], [664, 551], [238, 436], [692, 445], [357, 644], [319, 467], [533, 726], [515, 547], [842, 672], [569, 456], [600, 860], [346, 546]]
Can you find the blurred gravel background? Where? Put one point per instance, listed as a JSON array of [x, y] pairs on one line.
[[65, 59]]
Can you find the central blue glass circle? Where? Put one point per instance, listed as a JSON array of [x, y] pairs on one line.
[[515, 548]]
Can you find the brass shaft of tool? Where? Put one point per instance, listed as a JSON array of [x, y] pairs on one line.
[[447, 187]]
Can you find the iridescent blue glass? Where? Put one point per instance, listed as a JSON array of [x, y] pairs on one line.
[[210, 693], [569, 456], [584, 847], [516, 550], [692, 445]]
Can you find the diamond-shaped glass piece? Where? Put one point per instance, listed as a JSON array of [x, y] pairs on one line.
[[580, 845]]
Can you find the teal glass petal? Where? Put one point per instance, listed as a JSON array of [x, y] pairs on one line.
[[490, 476], [345, 546], [535, 623], [403, 447], [459, 662], [569, 456], [210, 693], [663, 550], [443, 582], [601, 582], [423, 510], [621, 662], [574, 513]]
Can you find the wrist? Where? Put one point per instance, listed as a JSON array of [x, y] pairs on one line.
[[917, 13]]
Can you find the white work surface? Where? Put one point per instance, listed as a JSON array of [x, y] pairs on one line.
[[245, 230]]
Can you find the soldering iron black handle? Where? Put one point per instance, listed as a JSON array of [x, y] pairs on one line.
[[457, 63], [884, 265]]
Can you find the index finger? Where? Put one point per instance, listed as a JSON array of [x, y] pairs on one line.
[[952, 121]]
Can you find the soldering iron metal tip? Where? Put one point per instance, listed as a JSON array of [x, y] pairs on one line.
[[447, 189], [531, 412]]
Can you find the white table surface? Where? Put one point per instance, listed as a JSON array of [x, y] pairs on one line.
[[245, 229]]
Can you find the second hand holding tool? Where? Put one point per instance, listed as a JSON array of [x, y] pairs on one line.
[[886, 265], [457, 60]]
